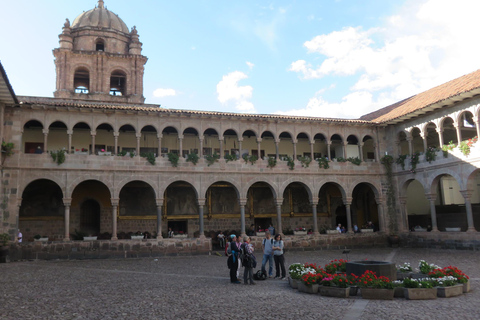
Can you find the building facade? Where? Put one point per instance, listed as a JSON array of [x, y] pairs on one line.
[[97, 160]]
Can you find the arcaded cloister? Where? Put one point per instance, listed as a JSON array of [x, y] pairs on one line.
[[96, 160]]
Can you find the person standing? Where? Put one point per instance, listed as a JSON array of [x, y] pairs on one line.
[[248, 261], [278, 246], [233, 260], [271, 229], [221, 239], [267, 246], [239, 247]]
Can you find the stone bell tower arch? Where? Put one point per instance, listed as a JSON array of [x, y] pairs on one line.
[[99, 59]]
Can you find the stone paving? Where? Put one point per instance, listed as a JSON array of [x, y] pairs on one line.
[[197, 287]]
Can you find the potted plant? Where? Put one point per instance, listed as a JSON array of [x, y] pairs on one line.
[[4, 250], [272, 162], [303, 284], [419, 289], [336, 285], [211, 159], [173, 158], [90, 238], [40, 238], [295, 271], [301, 231], [323, 163], [454, 272], [310, 282], [137, 236], [373, 287], [193, 158], [337, 265]]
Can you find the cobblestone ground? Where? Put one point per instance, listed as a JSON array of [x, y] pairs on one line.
[[198, 287]]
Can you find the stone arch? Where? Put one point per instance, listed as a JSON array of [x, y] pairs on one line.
[[137, 198], [118, 82], [368, 148], [171, 180], [100, 44], [417, 140], [245, 188], [214, 180], [467, 126], [81, 79], [283, 186], [364, 206], [77, 181], [449, 132], [122, 183], [57, 138]]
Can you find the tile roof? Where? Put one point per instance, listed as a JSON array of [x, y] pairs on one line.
[[7, 95], [448, 93], [157, 109]]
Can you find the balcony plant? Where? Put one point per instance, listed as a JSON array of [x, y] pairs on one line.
[[290, 163], [356, 161], [193, 158], [150, 156], [431, 154], [414, 159], [58, 156], [341, 159], [173, 158], [211, 159], [323, 163], [448, 147], [305, 160], [7, 148], [272, 162], [465, 145], [401, 160], [230, 157]]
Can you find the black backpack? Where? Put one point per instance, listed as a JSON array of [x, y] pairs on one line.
[[260, 275]]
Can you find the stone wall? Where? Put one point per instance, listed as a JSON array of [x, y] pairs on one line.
[[441, 240]]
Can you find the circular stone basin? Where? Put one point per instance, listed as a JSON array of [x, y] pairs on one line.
[[381, 268]]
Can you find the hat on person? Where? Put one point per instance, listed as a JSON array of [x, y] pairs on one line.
[[232, 236]]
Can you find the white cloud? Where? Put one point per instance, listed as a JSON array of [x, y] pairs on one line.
[[421, 46], [160, 93], [250, 65], [231, 94]]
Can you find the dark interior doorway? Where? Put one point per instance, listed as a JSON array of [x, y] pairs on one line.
[[90, 217]]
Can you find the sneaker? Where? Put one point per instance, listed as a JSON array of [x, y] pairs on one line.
[[283, 278]]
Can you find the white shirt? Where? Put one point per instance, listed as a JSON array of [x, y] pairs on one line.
[[20, 237]]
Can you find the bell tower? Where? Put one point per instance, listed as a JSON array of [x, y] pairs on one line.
[[99, 59]]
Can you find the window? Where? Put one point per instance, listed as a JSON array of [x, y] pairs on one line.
[[117, 83], [100, 45], [81, 80]]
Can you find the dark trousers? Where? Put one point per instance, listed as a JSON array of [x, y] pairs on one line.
[[279, 263], [233, 271], [248, 275]]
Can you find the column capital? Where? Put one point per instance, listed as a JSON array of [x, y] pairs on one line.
[[467, 194], [243, 202], [259, 140], [347, 201], [431, 196], [180, 137], [439, 130], [45, 131], [138, 135], [114, 201], [69, 132], [279, 201], [403, 200], [116, 133], [314, 201], [159, 202], [93, 133], [67, 201], [201, 201], [277, 141], [19, 202], [159, 136]]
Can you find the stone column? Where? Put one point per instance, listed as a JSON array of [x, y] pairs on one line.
[[159, 152], [404, 213], [440, 136], [377, 154], [347, 202], [115, 144], [259, 147], [467, 195], [294, 142], [200, 152], [243, 203], [397, 147], [345, 149], [137, 149], [222, 154], [424, 136], [180, 143], [114, 218], [360, 150], [381, 214], [432, 197], [201, 204], [93, 133], [69, 132], [279, 202], [159, 203], [314, 213], [477, 126], [410, 147], [45, 139], [240, 146], [311, 150], [328, 151], [459, 132], [277, 154], [67, 202]]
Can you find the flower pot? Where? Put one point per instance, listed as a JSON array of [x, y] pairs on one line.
[[293, 283], [89, 238], [136, 237], [377, 294], [300, 233], [336, 292], [466, 287], [447, 292], [312, 288], [45, 239], [420, 293]]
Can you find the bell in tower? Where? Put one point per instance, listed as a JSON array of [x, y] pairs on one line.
[[99, 59]]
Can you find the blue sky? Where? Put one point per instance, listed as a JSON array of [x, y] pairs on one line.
[[326, 58]]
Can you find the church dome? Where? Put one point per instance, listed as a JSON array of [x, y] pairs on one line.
[[99, 17]]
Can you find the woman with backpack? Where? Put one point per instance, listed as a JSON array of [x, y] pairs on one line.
[[278, 246], [248, 261]]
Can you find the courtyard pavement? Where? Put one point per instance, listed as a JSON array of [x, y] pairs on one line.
[[198, 287]]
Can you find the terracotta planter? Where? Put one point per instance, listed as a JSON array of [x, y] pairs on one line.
[[334, 292], [447, 292], [302, 287], [420, 293], [377, 294], [293, 283], [466, 287]]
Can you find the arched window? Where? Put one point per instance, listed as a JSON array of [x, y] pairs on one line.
[[100, 45], [118, 81], [81, 80]]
